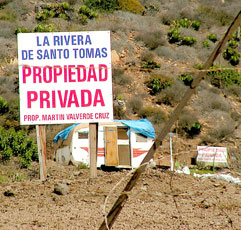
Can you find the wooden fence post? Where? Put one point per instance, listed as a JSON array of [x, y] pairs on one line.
[[93, 146], [120, 202], [42, 151]]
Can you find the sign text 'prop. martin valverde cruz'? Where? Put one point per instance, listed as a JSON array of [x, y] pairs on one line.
[[65, 77]]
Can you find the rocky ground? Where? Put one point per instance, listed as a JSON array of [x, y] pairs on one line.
[[160, 200]]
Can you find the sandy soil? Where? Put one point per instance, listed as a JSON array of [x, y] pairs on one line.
[[160, 200]]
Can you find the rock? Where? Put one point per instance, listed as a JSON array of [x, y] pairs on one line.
[[114, 57], [8, 192], [61, 189]]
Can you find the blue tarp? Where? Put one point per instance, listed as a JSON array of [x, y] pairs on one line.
[[142, 126]]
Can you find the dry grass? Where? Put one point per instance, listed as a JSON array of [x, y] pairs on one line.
[[151, 39], [172, 95]]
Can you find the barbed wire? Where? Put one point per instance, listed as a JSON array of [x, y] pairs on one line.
[[139, 68]]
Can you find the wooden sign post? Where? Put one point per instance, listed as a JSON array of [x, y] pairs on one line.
[[42, 153], [93, 148], [120, 202]]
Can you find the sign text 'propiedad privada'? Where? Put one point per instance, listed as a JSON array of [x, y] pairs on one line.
[[65, 77]]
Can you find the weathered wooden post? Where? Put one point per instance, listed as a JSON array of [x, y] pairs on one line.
[[42, 151], [120, 202], [93, 146]]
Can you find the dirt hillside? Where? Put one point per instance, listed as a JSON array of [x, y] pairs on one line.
[[160, 200]]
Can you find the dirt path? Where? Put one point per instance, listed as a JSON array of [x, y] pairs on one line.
[[160, 200]]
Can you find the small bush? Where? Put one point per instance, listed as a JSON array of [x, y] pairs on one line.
[[193, 130], [171, 95], [45, 28], [224, 78], [86, 13], [54, 10], [22, 30], [155, 115], [212, 37], [14, 143], [151, 39], [218, 134], [7, 15], [174, 36], [158, 82], [186, 79], [212, 102], [188, 124], [196, 25], [165, 52], [135, 104], [147, 55], [206, 44], [212, 15], [4, 3], [188, 41], [181, 23], [150, 64], [102, 5], [231, 54], [3, 106], [234, 90], [132, 6], [120, 78]]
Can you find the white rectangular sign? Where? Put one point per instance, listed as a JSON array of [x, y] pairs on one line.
[[212, 154], [65, 77]]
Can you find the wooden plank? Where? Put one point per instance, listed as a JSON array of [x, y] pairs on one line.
[[42, 151], [120, 202], [111, 151], [93, 143]]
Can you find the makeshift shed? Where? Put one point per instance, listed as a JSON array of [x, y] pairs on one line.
[[121, 143]]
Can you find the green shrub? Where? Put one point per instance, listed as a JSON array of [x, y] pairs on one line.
[[224, 78], [150, 64], [231, 54], [158, 82], [186, 23], [174, 36], [188, 124], [102, 5], [45, 28], [3, 106], [181, 23], [86, 13], [54, 10], [188, 41], [206, 44], [212, 37], [14, 143], [4, 3], [196, 25], [132, 6], [186, 79], [198, 66], [234, 60], [233, 44], [22, 30], [193, 130]]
